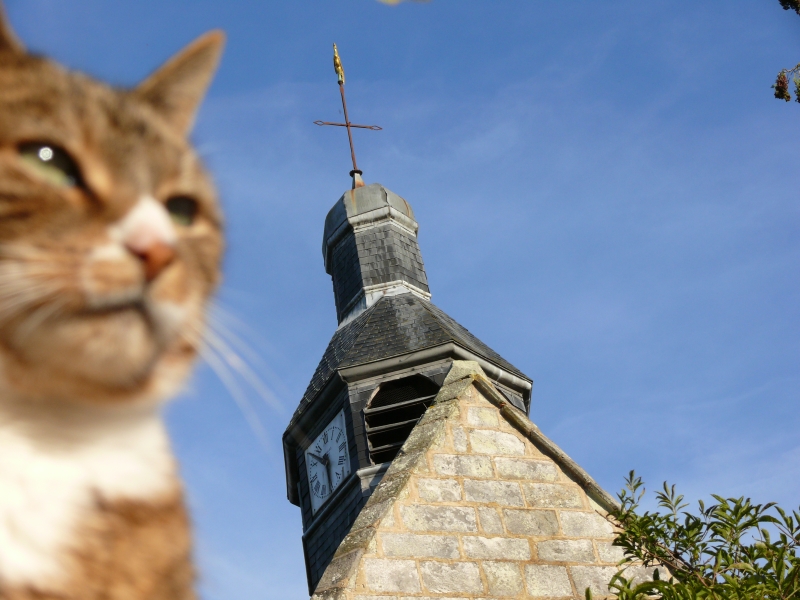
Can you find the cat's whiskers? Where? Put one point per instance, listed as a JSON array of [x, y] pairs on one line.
[[240, 356], [240, 397], [224, 322], [18, 296], [41, 314], [236, 363], [215, 318], [220, 364], [26, 286]]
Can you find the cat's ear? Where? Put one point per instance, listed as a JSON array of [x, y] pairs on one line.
[[176, 89], [9, 42]]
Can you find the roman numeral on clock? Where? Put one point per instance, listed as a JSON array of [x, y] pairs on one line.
[[341, 460], [342, 446]]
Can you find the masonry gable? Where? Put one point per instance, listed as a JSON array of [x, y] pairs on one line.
[[477, 505]]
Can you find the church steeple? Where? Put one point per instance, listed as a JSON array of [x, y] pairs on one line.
[[370, 250], [383, 367], [381, 371]]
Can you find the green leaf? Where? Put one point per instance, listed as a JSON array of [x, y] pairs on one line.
[[731, 550]]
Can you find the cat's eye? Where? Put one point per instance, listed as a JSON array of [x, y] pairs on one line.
[[51, 163], [182, 209]]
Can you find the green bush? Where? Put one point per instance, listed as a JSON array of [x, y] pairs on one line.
[[732, 549]]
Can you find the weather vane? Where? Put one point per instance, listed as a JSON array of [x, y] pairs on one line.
[[355, 173]]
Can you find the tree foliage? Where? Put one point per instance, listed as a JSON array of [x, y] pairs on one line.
[[732, 549], [791, 5], [781, 85]]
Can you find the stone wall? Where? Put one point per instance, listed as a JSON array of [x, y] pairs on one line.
[[475, 508]]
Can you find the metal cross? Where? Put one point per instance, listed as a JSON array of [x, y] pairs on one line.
[[337, 65]]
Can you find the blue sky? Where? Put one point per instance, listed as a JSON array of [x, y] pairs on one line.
[[607, 196]]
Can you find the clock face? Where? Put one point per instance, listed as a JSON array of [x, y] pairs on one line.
[[327, 461]]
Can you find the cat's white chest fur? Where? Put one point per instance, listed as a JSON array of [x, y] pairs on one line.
[[53, 469]]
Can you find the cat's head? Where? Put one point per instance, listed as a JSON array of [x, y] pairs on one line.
[[110, 231]]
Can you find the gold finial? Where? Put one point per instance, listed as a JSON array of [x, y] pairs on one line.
[[356, 172], [337, 65]]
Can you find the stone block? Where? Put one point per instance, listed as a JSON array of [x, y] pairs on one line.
[[424, 435], [407, 460], [393, 597], [530, 470], [566, 551], [547, 580], [338, 573], [439, 490], [497, 548], [383, 575], [439, 518], [552, 495], [531, 522], [450, 391], [505, 493], [440, 410], [390, 486], [503, 578], [507, 425], [487, 441], [594, 578], [466, 466], [372, 513], [388, 520], [585, 524], [482, 417], [595, 506], [490, 520], [609, 553], [461, 369], [459, 439], [419, 546], [334, 594], [444, 578]]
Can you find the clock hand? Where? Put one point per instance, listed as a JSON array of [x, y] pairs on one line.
[[323, 460], [328, 471], [327, 462]]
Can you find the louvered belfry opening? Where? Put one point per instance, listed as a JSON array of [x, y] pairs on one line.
[[393, 412]]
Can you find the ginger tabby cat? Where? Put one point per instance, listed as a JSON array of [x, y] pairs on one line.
[[110, 245]]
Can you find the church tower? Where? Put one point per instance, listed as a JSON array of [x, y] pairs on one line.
[[411, 455], [382, 369]]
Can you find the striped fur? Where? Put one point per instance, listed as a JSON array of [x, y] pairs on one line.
[[102, 297]]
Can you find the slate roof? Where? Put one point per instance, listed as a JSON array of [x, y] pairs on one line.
[[393, 326]]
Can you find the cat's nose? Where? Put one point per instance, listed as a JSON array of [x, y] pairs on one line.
[[147, 232], [155, 257]]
